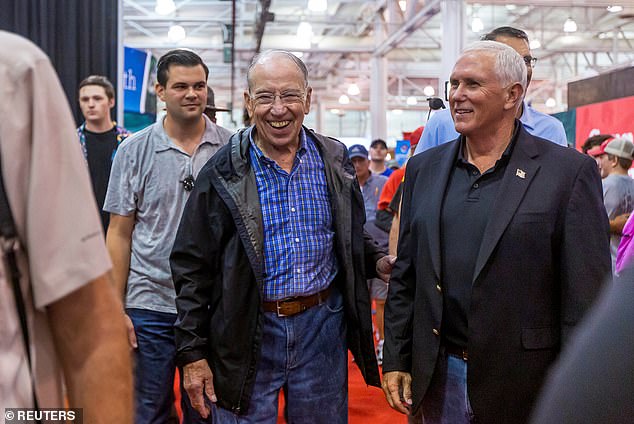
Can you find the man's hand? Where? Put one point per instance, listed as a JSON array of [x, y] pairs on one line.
[[397, 387], [617, 224], [197, 378], [130, 330], [384, 267]]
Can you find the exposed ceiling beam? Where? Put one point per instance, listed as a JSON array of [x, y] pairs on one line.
[[427, 12]]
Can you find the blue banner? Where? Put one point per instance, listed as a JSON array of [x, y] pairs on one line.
[[136, 70], [401, 152]]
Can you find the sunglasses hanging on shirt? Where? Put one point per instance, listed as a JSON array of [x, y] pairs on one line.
[[188, 183]]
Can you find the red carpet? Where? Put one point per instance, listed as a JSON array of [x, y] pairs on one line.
[[365, 404], [368, 404]]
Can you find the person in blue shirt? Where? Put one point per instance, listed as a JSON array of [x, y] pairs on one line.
[[440, 127]]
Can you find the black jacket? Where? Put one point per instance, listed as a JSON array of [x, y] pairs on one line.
[[543, 257], [217, 266]]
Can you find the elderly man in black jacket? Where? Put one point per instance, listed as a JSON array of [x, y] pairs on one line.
[[270, 264]]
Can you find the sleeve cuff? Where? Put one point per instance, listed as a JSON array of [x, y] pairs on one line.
[[187, 357]]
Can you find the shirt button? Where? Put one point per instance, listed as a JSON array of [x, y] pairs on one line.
[[476, 185], [292, 209], [436, 332], [296, 240], [299, 271], [438, 288], [475, 172]]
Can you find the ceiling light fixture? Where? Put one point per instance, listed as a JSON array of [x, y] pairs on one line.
[[176, 33], [550, 102], [429, 91], [570, 25], [353, 89], [317, 5], [344, 100], [476, 24], [411, 101], [403, 5], [535, 44], [615, 8], [305, 31], [335, 111], [164, 7]]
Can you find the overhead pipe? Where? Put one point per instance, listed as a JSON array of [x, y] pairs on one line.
[[427, 12]]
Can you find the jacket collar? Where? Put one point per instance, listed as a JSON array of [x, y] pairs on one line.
[[520, 170]]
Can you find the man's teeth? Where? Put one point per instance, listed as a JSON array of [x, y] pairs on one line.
[[280, 124]]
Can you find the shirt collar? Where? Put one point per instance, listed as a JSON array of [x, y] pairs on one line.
[[164, 142], [461, 160], [528, 116]]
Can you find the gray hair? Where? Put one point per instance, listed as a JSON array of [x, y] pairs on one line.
[[259, 58], [509, 65]]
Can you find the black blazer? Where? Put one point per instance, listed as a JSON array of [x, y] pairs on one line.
[[543, 257]]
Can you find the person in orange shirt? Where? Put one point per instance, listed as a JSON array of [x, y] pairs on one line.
[[390, 199]]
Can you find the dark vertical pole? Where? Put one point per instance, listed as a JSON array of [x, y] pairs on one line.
[[233, 58]]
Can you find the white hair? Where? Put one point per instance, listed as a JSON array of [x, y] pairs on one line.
[[509, 65], [260, 57]]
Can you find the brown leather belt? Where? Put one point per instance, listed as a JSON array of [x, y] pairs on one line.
[[454, 350], [295, 305]]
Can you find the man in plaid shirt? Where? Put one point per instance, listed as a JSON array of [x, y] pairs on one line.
[[270, 265]]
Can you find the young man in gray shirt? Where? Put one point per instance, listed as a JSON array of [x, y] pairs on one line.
[[152, 175], [614, 158]]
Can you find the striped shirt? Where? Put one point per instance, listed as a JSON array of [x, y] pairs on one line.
[[299, 259]]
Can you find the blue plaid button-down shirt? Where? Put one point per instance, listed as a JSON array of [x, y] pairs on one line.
[[299, 258]]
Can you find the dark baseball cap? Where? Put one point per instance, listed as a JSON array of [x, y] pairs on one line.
[[358, 151], [377, 142]]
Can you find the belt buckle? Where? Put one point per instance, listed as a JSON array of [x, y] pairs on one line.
[[278, 308], [465, 355]]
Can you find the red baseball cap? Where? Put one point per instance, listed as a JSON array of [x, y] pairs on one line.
[[619, 147], [414, 137]]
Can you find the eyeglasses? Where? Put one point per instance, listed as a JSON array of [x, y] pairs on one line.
[[530, 61], [188, 183], [288, 98]]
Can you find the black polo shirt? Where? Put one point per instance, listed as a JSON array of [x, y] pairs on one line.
[[466, 210]]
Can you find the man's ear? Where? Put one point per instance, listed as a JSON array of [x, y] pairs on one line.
[[309, 92], [514, 95], [160, 91], [248, 103]]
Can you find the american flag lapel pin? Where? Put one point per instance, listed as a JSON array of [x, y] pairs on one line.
[[520, 173]]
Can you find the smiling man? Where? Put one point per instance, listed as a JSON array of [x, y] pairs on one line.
[[152, 175], [270, 265], [440, 127], [503, 246]]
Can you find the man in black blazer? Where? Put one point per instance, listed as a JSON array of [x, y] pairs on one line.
[[503, 246]]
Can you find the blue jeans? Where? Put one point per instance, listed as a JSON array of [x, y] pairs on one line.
[[446, 400], [306, 356], [154, 368]]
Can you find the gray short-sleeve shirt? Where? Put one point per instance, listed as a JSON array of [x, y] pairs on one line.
[[146, 180]]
